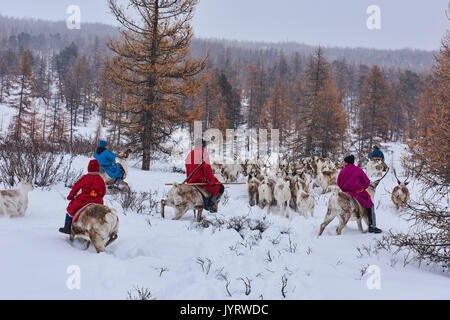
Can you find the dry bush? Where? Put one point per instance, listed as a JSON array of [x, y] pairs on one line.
[[138, 293], [41, 163], [139, 202], [427, 240]]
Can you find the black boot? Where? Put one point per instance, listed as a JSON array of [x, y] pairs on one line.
[[67, 227], [371, 216], [213, 203], [118, 184]]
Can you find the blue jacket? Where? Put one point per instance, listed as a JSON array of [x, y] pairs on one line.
[[107, 161], [377, 154]]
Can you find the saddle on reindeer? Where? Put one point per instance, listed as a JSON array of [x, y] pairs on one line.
[[112, 172]]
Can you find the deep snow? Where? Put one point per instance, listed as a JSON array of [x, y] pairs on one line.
[[162, 255]]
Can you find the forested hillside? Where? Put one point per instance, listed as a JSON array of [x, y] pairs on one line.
[[55, 79]]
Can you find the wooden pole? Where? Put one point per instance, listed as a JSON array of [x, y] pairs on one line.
[[203, 184]]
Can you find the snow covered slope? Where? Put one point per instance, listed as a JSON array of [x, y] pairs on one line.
[[184, 260]]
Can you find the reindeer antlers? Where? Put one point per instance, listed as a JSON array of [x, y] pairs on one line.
[[395, 174], [398, 180]]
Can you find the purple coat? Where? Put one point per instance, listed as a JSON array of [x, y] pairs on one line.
[[354, 181]]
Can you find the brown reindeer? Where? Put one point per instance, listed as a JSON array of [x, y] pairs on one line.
[[97, 224], [400, 194], [184, 198], [252, 189]]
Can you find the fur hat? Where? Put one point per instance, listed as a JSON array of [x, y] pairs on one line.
[[350, 159], [94, 166], [102, 143]]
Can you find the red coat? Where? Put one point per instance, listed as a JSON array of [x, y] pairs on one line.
[[204, 174], [92, 187], [353, 180]]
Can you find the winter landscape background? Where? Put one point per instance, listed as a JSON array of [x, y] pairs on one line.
[[62, 90]]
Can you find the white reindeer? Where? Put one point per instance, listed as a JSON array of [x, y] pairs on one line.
[[265, 193], [374, 168], [282, 194], [305, 199], [326, 178], [15, 202]]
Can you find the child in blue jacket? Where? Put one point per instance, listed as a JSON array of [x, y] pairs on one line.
[[107, 160]]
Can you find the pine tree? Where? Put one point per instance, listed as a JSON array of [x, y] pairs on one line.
[[277, 112], [322, 120], [20, 97], [374, 108], [151, 64], [232, 100], [257, 91], [210, 100], [410, 85], [431, 149]]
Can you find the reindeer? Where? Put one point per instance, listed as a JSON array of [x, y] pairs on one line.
[[265, 193], [15, 202], [345, 207], [252, 189], [231, 171], [97, 224], [122, 160], [184, 198], [305, 199], [374, 168], [327, 178], [293, 185], [282, 194], [400, 194]]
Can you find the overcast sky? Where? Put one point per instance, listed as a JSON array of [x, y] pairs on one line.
[[404, 23]]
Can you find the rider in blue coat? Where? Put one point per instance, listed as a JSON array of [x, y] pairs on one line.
[[107, 160], [376, 153]]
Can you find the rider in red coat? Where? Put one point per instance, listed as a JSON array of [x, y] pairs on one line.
[[93, 190], [198, 160]]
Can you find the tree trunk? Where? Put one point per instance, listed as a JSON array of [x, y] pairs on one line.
[[146, 141]]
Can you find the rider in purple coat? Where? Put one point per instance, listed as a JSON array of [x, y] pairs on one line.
[[353, 181]]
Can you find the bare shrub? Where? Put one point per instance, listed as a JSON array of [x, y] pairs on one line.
[[284, 281], [39, 162], [178, 170], [205, 264], [80, 146], [428, 238], [138, 293], [248, 285], [139, 202]]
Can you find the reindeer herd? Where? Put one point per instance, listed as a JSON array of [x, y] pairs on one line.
[[287, 183], [283, 184], [291, 184]]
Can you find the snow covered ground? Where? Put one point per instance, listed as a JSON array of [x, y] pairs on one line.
[[166, 256]]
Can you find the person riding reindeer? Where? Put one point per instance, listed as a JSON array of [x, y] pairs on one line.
[[353, 181], [198, 170], [377, 154], [107, 160], [93, 190]]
